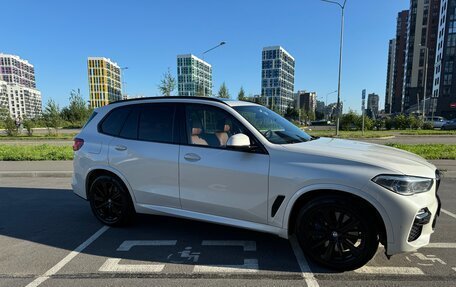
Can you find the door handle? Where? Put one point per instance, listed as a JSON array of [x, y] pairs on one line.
[[192, 157], [120, 147]]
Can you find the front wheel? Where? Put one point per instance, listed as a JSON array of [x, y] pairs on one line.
[[110, 201], [337, 233]]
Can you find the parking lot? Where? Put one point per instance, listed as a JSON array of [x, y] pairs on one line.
[[48, 237]]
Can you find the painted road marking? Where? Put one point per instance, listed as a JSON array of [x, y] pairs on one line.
[[247, 245], [67, 258], [128, 244], [454, 268], [448, 213], [390, 270], [250, 265], [303, 264], [112, 265], [440, 245], [428, 257]]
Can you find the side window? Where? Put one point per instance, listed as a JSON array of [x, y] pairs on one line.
[[130, 127], [210, 126], [156, 123], [112, 124]]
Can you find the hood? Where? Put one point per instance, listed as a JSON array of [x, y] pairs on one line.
[[396, 160]]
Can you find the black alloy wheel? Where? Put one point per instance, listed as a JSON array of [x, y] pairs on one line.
[[110, 201], [337, 233]]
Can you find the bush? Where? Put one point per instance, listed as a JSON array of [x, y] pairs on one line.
[[10, 127], [414, 122], [349, 121], [29, 124], [379, 124], [401, 122], [428, 126], [389, 123]]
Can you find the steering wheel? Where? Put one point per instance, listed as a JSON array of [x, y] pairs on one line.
[[268, 134]]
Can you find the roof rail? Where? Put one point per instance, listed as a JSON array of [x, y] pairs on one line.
[[172, 97]]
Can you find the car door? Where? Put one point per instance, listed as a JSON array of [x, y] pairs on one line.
[[146, 152], [217, 180]]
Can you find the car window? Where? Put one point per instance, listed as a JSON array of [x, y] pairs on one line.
[[112, 124], [156, 123], [130, 127], [211, 126]]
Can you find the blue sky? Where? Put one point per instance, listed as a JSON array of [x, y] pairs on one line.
[[58, 36]]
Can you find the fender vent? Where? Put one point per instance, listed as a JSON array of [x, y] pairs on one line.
[[275, 206]]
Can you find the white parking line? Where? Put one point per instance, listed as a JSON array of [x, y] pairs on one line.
[[303, 265], [440, 245], [128, 244], [112, 265], [249, 266], [248, 245], [448, 213], [67, 258], [390, 270]]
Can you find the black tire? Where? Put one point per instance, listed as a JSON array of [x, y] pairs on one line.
[[110, 201], [337, 233]]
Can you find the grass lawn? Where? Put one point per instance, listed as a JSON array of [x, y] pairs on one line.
[[378, 134], [430, 151], [62, 136], [35, 152]]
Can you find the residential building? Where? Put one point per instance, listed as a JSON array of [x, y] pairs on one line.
[[105, 84], [372, 105], [399, 61], [15, 70], [420, 53], [444, 85], [306, 101], [18, 93], [194, 76], [277, 78], [20, 101], [390, 76]]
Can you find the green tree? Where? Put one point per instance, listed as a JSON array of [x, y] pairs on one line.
[[51, 116], [223, 92], [29, 124], [167, 84], [77, 112], [10, 127], [291, 113], [241, 95]]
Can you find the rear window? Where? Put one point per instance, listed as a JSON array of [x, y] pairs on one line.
[[156, 123], [112, 124], [130, 127]]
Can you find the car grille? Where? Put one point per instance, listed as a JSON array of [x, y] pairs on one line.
[[415, 232]]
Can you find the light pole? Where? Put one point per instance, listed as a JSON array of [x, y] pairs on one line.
[[426, 54], [326, 102], [205, 52], [123, 82], [342, 7]]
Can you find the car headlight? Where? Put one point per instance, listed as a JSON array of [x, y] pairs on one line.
[[404, 184]]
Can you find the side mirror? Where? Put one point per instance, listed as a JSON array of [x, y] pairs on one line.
[[239, 142]]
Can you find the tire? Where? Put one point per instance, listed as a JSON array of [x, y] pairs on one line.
[[110, 201], [337, 233]]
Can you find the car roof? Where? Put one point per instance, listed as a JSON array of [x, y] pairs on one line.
[[229, 102]]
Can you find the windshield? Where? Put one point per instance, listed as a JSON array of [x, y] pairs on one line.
[[272, 126]]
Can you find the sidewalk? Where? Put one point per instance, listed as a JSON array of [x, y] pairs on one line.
[[65, 168]]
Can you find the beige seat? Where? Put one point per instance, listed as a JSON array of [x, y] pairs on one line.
[[222, 134], [196, 134]]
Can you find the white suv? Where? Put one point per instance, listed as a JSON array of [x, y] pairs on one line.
[[240, 164]]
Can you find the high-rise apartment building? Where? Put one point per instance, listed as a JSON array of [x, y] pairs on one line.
[[390, 76], [399, 61], [18, 93], [420, 53], [194, 76], [15, 70], [444, 85], [105, 84], [372, 105], [277, 77], [306, 101]]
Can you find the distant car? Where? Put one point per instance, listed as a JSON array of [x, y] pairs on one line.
[[437, 122], [240, 164], [450, 125]]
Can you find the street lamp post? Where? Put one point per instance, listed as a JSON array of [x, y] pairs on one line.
[[426, 54], [342, 7], [205, 52], [122, 80]]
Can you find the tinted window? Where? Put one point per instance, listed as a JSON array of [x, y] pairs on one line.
[[112, 124], [130, 127], [156, 123]]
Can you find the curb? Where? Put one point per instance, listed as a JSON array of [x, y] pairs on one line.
[[37, 174]]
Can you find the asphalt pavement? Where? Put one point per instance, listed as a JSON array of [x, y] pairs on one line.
[[49, 237]]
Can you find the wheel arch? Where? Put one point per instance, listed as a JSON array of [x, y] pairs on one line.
[[304, 196]]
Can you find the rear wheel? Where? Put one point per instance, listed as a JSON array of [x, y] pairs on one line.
[[110, 201], [337, 233]]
